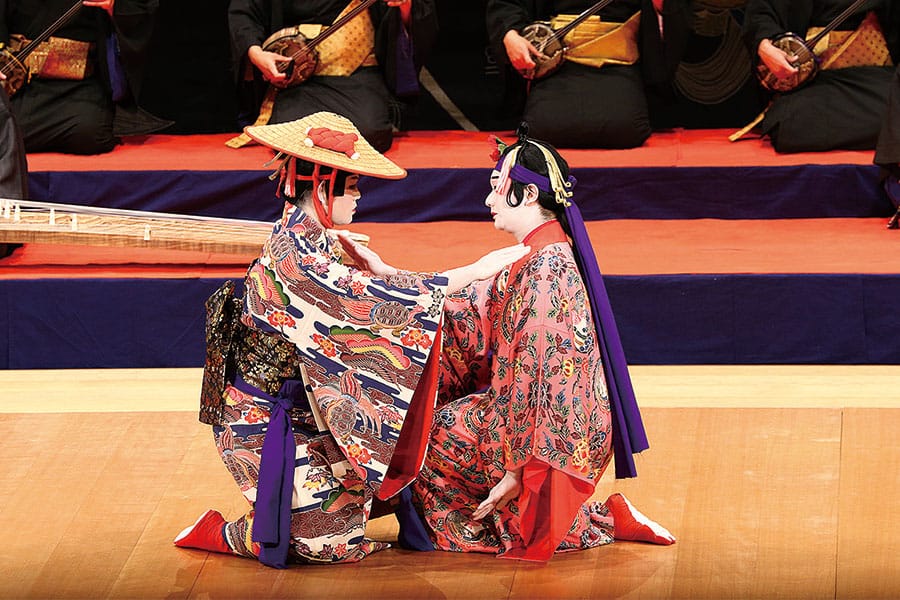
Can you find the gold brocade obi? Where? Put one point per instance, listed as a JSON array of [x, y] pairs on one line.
[[863, 47], [56, 58], [595, 43], [233, 349]]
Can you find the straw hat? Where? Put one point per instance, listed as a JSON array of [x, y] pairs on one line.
[[293, 138]]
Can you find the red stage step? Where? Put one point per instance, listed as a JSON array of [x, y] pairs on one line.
[[445, 149], [624, 247], [750, 286]]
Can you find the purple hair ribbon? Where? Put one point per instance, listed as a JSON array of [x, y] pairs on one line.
[[629, 436]]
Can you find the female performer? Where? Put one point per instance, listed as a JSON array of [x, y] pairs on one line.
[[534, 392]]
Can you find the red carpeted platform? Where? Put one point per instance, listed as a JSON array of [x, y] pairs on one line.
[[446, 149], [676, 175], [624, 247], [714, 252]]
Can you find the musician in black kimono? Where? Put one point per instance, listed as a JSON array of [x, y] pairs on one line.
[[697, 69], [363, 68], [85, 79], [596, 97], [842, 106], [887, 151], [13, 163]]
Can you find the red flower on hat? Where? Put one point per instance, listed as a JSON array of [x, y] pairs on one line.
[[323, 137]]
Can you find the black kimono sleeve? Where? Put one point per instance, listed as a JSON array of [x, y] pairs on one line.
[[505, 15], [4, 20], [249, 22], [402, 51], [765, 19], [887, 152], [661, 52], [13, 162], [133, 23]]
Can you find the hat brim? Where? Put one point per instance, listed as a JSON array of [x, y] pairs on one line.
[[290, 138]]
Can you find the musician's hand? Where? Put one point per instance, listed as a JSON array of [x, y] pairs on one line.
[[268, 64], [779, 62], [106, 5], [520, 51], [2, 76]]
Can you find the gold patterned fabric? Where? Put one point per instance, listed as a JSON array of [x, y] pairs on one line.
[[264, 360], [57, 58], [350, 47], [863, 47], [233, 349], [265, 113], [223, 312], [595, 42]]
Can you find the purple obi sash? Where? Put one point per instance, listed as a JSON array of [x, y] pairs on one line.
[[275, 488]]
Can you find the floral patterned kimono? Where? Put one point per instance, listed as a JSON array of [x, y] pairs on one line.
[[522, 386], [311, 429]]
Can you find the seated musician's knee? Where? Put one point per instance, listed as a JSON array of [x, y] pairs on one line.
[[89, 136], [628, 131], [612, 129], [380, 139]]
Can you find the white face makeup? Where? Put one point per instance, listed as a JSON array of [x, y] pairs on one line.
[[344, 206], [517, 220]]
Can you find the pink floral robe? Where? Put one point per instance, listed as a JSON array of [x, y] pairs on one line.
[[522, 386]]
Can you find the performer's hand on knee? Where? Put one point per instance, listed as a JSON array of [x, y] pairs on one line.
[[507, 490]]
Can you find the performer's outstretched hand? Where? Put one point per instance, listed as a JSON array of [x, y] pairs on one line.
[[485, 267], [502, 494], [364, 257], [491, 263]]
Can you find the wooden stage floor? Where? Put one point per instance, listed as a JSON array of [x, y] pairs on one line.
[[779, 481]]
